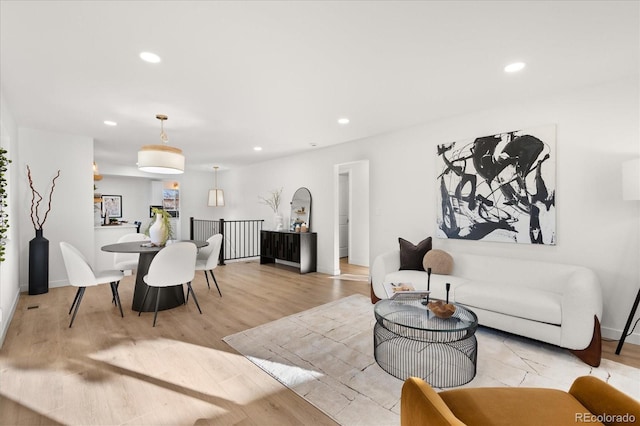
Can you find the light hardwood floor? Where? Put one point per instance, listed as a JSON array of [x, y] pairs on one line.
[[112, 370]]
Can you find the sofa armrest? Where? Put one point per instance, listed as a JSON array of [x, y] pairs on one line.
[[581, 300], [382, 265], [601, 399], [420, 405]]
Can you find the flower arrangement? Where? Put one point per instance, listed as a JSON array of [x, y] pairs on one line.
[[36, 199], [273, 200]]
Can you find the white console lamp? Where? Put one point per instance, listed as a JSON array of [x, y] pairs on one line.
[[630, 191]]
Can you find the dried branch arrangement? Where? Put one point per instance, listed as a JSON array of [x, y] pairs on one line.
[[273, 200], [36, 199]]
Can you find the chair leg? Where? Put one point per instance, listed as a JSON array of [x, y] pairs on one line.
[[195, 299], [144, 299], [214, 280], [114, 293], [75, 299], [116, 296], [207, 277], [79, 299], [155, 315]]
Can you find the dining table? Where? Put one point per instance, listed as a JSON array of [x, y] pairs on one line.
[[170, 297]]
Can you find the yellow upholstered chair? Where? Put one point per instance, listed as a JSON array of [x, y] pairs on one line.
[[590, 400]]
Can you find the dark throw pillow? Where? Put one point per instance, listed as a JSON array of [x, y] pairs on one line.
[[411, 256]]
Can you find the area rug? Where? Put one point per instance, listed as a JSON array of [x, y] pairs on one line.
[[325, 355]]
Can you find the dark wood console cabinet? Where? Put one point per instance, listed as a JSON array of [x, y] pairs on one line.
[[296, 247]]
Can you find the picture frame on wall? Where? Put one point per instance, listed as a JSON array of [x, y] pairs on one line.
[[498, 187], [112, 205], [151, 214]]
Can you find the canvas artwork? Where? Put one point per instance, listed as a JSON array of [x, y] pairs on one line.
[[498, 188]]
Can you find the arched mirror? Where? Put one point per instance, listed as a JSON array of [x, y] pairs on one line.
[[301, 210]]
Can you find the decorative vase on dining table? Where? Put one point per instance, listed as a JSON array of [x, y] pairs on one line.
[[38, 264], [158, 233]]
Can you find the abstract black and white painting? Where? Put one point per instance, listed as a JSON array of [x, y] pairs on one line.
[[498, 188]]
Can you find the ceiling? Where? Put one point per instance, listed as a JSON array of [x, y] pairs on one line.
[[235, 75]]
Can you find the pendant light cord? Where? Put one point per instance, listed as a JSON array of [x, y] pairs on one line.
[[163, 135]]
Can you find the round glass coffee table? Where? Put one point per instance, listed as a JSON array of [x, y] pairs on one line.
[[409, 340]]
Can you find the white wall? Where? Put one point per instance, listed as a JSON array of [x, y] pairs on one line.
[[9, 282], [71, 216], [135, 192], [194, 193], [315, 170], [597, 128]]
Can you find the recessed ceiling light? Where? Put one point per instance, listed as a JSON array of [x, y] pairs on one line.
[[515, 67], [150, 57], [110, 123], [343, 120], [257, 148]]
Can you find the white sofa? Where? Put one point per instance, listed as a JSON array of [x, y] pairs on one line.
[[554, 303]]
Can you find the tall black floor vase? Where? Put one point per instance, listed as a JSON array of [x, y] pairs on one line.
[[38, 264]]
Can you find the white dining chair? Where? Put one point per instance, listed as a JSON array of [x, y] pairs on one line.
[[128, 261], [81, 275], [207, 259], [173, 265]]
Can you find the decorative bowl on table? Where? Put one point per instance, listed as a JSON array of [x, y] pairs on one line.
[[441, 309]]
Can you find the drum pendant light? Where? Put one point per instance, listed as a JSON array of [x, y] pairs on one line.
[[163, 158], [216, 196]]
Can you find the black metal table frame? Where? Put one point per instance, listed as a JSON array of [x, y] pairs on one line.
[[444, 357]]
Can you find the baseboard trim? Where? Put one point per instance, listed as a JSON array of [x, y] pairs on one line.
[[5, 324], [615, 334]]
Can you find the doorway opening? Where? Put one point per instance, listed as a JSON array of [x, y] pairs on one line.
[[351, 233]]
